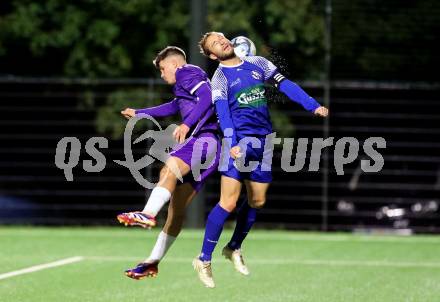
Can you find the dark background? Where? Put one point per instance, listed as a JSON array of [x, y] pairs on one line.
[[67, 69]]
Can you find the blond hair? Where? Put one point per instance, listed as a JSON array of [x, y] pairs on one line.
[[202, 43]]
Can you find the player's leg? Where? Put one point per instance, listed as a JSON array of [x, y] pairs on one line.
[[229, 194], [181, 198], [166, 185], [257, 183], [246, 216], [184, 193], [256, 193], [159, 196], [210, 155]]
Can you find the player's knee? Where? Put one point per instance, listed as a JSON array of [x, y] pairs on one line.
[[166, 173], [228, 204], [257, 203]]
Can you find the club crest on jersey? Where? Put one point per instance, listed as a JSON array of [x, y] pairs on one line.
[[256, 75], [252, 97]]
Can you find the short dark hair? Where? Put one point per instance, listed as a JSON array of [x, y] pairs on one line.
[[202, 43], [166, 52]]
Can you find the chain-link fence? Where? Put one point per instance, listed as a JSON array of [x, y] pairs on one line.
[[37, 113]]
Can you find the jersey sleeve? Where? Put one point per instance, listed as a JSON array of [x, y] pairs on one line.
[[190, 78], [219, 86], [162, 110], [203, 93], [298, 95], [267, 66], [293, 91], [225, 121]]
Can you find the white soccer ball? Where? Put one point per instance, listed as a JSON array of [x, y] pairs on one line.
[[244, 47]]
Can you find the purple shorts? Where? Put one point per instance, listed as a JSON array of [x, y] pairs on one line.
[[201, 153]]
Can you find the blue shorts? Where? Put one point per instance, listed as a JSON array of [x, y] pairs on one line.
[[240, 169]]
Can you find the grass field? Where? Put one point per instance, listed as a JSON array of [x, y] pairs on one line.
[[285, 266]]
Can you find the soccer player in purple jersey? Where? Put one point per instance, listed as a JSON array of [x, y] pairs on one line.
[[193, 101], [239, 97]]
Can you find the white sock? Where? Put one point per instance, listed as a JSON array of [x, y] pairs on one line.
[[163, 243], [158, 198]]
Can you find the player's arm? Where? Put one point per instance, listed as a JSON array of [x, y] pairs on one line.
[[294, 92], [204, 95], [162, 110], [219, 85], [227, 125]]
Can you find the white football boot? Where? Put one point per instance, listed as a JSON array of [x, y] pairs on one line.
[[237, 259], [204, 271]]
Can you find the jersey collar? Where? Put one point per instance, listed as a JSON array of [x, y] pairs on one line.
[[231, 66]]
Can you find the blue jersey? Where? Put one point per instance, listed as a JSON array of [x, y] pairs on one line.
[[241, 87]]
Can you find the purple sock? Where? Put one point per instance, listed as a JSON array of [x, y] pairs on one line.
[[246, 217], [214, 226]]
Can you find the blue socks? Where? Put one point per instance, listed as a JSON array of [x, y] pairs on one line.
[[245, 219], [214, 227]]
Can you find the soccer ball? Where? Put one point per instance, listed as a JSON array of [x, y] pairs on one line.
[[243, 47]]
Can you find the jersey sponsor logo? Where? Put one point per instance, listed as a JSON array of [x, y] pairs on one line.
[[256, 75], [251, 97]]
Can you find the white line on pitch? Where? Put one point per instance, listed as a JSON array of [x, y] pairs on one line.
[[41, 267], [407, 264]]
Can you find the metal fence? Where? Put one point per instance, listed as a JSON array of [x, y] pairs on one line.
[[404, 195]]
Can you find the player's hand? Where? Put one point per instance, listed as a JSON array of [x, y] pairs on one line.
[[235, 152], [180, 133], [128, 112], [321, 111]]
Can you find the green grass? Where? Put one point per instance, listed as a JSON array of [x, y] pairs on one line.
[[285, 266]]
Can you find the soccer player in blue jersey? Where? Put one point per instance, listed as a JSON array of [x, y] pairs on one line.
[[193, 101], [239, 97]]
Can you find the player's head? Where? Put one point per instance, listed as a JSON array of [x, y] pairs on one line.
[[215, 46], [167, 61]]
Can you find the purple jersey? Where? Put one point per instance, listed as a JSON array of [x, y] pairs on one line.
[[192, 99], [189, 78]]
